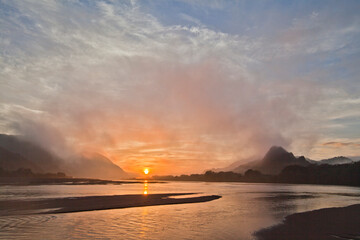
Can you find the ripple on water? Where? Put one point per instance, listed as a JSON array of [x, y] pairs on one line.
[[243, 209], [12, 227]]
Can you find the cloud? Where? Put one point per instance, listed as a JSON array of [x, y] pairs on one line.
[[110, 78], [341, 144]]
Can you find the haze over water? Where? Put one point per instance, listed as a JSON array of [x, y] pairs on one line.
[[243, 209]]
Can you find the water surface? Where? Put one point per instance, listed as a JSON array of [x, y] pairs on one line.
[[243, 209]]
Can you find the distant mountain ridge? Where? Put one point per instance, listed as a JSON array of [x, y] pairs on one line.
[[38, 156], [333, 161], [16, 153], [277, 158], [12, 161], [96, 166]]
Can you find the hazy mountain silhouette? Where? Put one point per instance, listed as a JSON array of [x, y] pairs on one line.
[[16, 153], [333, 161], [12, 161], [276, 159], [249, 163], [96, 166], [38, 156]]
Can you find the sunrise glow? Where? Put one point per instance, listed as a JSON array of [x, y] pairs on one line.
[[208, 119]]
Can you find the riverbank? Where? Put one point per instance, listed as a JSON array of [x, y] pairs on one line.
[[322, 224]]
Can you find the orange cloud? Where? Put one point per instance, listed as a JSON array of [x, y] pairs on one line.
[[341, 144]]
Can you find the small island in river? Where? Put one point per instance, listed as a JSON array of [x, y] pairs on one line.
[[91, 203]]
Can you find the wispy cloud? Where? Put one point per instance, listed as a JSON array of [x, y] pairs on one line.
[[341, 144], [111, 77]]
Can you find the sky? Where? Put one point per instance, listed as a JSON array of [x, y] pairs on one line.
[[181, 86]]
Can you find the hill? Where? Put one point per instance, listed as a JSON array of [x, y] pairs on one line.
[[36, 155], [276, 159], [13, 161], [333, 161], [16, 153], [96, 166]]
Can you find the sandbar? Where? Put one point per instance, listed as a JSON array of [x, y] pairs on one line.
[[91, 203]]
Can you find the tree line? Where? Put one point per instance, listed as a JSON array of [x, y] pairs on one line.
[[344, 174]]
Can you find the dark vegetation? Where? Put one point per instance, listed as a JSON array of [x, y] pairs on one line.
[[345, 174], [27, 173], [25, 176], [210, 176]]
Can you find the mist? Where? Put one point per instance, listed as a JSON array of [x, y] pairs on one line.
[[157, 114], [174, 98]]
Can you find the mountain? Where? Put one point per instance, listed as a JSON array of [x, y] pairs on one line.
[[33, 153], [333, 161], [16, 153], [246, 166], [12, 161], [276, 159], [96, 166], [234, 165]]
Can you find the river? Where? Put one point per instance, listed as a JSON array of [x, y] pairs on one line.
[[243, 209]]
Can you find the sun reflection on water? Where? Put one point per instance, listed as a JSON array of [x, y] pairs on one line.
[[145, 187]]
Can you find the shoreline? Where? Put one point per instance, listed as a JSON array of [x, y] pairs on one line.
[[92, 203], [66, 181], [322, 224], [4, 181]]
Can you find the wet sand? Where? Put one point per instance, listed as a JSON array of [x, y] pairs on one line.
[[91, 203], [323, 224]]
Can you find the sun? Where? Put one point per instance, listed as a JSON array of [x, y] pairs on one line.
[[146, 171]]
